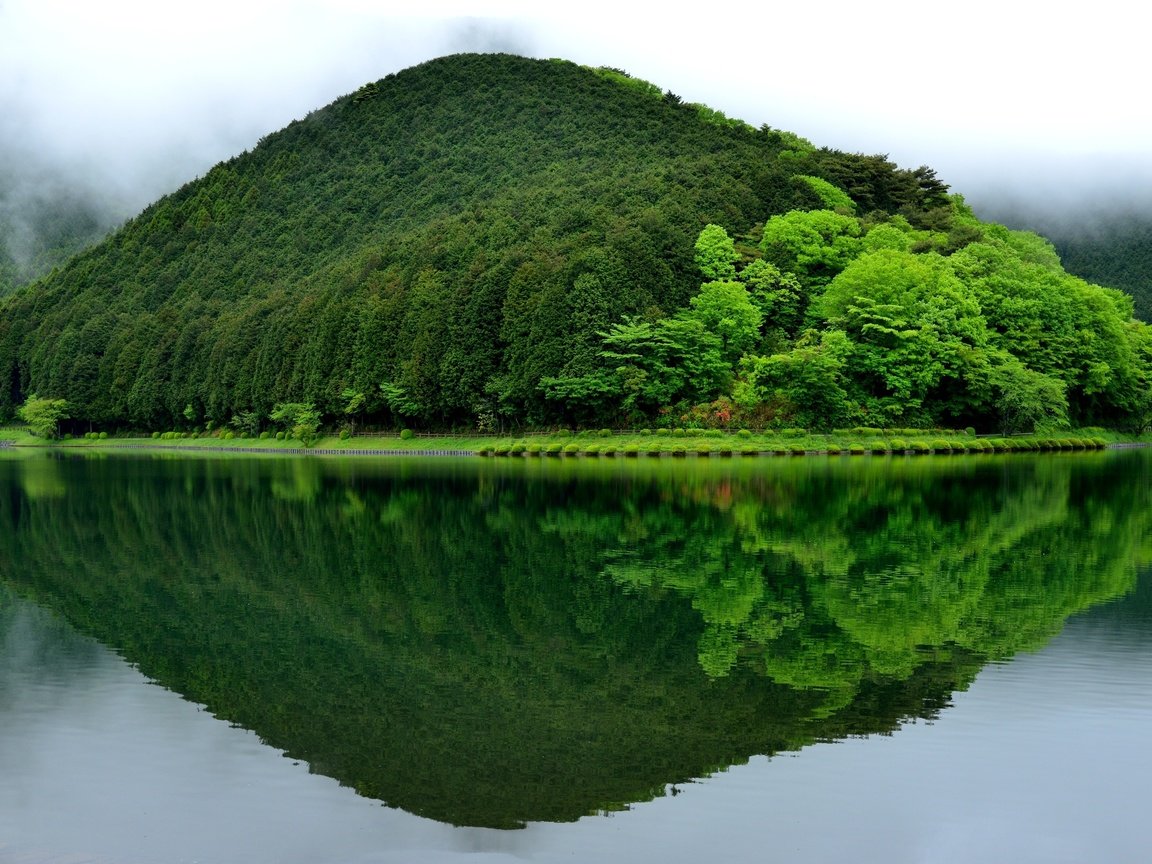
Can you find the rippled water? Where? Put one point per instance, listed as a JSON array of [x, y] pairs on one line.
[[571, 640]]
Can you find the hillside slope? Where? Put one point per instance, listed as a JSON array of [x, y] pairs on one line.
[[461, 230]]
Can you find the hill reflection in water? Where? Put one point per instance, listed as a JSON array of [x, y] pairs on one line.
[[491, 643]]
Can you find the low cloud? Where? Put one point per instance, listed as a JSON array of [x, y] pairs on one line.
[[116, 103]]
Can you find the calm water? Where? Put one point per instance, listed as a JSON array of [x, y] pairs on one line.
[[866, 660]]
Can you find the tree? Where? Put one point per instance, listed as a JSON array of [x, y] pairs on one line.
[[43, 415], [716, 253], [813, 244], [726, 309], [1028, 400], [300, 419], [355, 402], [807, 384]]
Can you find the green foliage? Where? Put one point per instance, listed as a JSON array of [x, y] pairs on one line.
[[301, 420], [1029, 401], [831, 197], [43, 415], [815, 245], [716, 254]]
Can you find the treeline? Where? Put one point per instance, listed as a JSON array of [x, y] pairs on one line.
[[458, 232], [837, 320]]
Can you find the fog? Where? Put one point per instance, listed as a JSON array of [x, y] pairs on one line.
[[118, 102]]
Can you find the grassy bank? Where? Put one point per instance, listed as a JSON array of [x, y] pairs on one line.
[[607, 443]]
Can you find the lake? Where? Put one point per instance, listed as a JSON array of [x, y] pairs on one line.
[[866, 659]]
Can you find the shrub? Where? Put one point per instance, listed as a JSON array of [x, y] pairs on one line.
[[280, 435], [969, 431], [533, 449], [605, 433], [941, 446], [744, 433], [484, 451], [794, 433], [632, 450], [645, 432], [749, 450], [856, 450], [228, 436], [517, 448], [155, 434], [407, 434], [713, 433], [654, 449], [877, 446], [103, 435], [897, 445], [797, 450], [679, 450], [590, 449], [724, 450], [265, 435], [678, 432], [833, 449], [703, 450], [608, 450]]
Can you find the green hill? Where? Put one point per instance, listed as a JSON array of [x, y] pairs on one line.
[[503, 240]]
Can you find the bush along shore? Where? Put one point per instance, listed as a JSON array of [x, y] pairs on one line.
[[605, 443]]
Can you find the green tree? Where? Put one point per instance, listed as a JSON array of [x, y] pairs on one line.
[[726, 309], [300, 419], [813, 244], [716, 253], [806, 385], [43, 416], [1027, 400]]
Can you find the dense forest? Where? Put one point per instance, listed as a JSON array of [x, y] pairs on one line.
[[488, 241]]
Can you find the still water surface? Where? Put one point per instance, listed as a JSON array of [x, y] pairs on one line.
[[875, 660]]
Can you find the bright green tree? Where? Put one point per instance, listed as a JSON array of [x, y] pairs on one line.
[[726, 309], [43, 416], [300, 419], [716, 253]]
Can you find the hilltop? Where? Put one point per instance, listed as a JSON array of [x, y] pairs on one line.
[[486, 240]]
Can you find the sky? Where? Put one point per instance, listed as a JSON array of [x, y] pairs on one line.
[[125, 100]]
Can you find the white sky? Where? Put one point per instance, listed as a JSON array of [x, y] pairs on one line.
[[135, 97]]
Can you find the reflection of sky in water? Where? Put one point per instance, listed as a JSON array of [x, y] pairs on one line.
[[1043, 759]]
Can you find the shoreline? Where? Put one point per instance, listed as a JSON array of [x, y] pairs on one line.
[[560, 454]]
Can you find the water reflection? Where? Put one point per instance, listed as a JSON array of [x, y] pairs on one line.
[[490, 643]]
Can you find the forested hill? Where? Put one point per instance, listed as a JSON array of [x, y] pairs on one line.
[[487, 238]]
